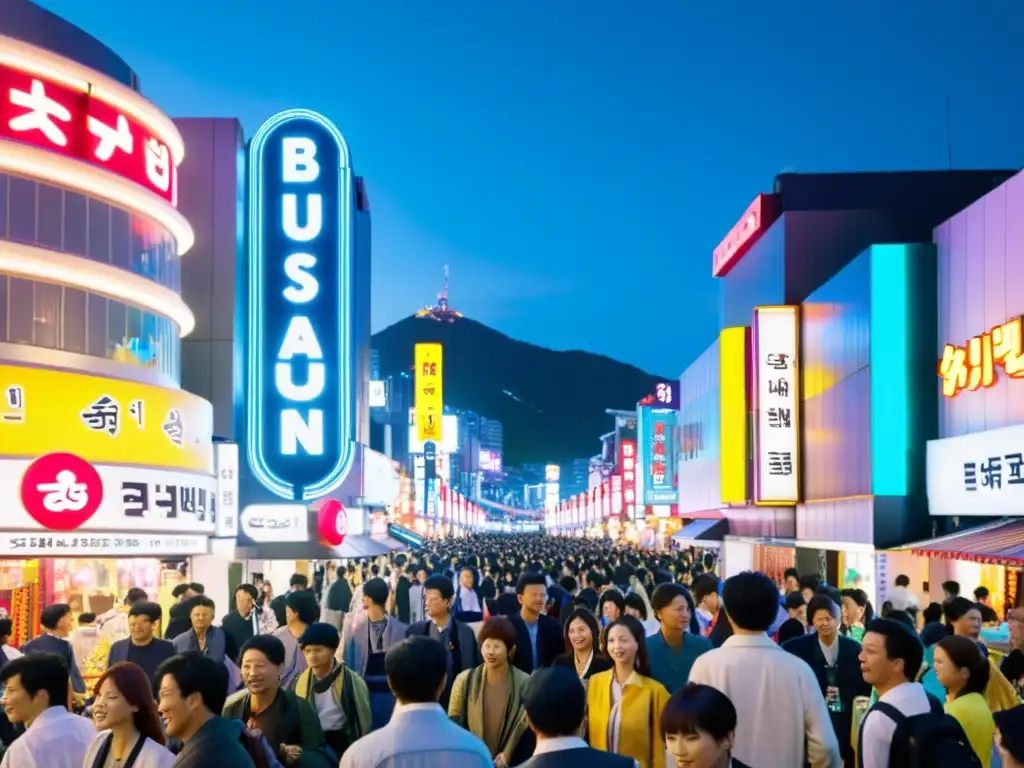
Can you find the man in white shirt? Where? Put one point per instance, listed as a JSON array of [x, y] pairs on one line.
[[900, 596], [890, 657], [555, 702], [36, 693], [783, 717]]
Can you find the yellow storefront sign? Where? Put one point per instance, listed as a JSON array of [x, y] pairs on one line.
[[429, 400], [106, 421]]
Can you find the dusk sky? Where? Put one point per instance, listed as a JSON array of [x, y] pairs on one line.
[[575, 162]]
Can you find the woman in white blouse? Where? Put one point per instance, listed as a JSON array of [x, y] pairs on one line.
[[582, 645]]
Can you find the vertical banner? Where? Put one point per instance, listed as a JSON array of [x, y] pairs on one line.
[[226, 457], [430, 477], [776, 355], [627, 464], [734, 413], [659, 455], [428, 396]]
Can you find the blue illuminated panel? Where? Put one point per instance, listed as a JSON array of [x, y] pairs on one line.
[[299, 424], [891, 360]]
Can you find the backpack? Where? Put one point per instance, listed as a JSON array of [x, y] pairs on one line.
[[930, 740]]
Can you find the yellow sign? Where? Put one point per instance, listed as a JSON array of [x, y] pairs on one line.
[[429, 399], [105, 421], [733, 354], [973, 366]]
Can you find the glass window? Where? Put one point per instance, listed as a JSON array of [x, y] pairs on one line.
[[75, 321], [3, 304], [3, 207], [117, 325], [120, 240], [97, 325], [76, 228], [99, 231], [19, 311], [22, 210], [46, 315], [50, 217]]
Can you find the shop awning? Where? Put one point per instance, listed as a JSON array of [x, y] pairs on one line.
[[702, 533], [367, 546], [998, 543]]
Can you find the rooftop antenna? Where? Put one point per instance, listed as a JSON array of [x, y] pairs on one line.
[[442, 297], [441, 311]]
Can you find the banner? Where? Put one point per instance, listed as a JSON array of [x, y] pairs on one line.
[[429, 400], [659, 454], [106, 421], [777, 425]]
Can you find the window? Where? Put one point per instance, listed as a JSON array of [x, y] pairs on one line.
[[46, 315], [75, 321]]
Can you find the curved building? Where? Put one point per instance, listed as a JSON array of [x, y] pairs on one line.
[[101, 453]]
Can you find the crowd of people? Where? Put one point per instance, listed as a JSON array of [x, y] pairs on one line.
[[523, 650]]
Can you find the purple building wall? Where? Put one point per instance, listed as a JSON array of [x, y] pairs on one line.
[[981, 285]]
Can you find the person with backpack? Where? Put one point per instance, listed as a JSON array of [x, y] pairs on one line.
[[907, 727], [963, 671]]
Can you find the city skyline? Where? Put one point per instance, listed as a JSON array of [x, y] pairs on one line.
[[542, 153]]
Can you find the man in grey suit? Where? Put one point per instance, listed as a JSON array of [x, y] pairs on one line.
[[420, 735], [371, 633]]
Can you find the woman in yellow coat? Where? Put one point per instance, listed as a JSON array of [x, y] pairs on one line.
[[624, 703]]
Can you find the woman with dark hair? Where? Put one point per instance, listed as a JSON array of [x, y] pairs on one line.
[[582, 645], [677, 643], [962, 669], [125, 714], [699, 723], [624, 702], [857, 612], [611, 606]]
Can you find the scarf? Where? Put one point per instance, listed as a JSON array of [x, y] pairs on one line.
[[322, 686]]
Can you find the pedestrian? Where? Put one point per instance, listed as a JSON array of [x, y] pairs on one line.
[[538, 636], [36, 695], [301, 609], [247, 619], [57, 622], [191, 690], [203, 636], [419, 729], [699, 723], [125, 715], [142, 646], [674, 647]]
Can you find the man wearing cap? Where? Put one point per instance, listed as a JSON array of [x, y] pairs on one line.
[[338, 695], [555, 702]]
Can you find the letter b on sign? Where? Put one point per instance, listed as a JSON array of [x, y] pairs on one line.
[[299, 157]]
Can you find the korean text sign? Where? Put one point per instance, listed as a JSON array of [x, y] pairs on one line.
[[659, 442], [103, 420], [627, 467], [973, 366], [977, 474], [38, 111], [299, 406], [429, 397], [776, 354]]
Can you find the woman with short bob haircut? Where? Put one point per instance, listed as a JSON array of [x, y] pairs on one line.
[[699, 724], [125, 715]]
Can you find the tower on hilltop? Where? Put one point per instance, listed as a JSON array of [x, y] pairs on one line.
[[441, 312]]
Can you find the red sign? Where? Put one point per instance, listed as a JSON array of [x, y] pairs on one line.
[[332, 522], [627, 465], [61, 491], [37, 111], [758, 217]]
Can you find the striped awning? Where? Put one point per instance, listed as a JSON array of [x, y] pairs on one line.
[[998, 543]]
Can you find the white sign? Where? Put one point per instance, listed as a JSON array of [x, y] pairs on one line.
[[275, 522], [449, 432], [381, 482], [129, 499], [119, 544], [979, 474], [378, 395], [226, 461], [777, 426]]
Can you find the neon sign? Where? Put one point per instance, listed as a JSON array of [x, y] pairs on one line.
[[756, 219], [973, 366], [44, 113], [299, 423]]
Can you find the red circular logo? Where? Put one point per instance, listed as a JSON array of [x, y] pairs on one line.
[[332, 522], [61, 491]]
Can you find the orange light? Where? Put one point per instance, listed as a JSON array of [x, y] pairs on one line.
[[973, 366]]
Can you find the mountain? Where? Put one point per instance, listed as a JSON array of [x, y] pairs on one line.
[[551, 404]]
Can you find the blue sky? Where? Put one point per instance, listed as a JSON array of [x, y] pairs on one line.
[[575, 162]]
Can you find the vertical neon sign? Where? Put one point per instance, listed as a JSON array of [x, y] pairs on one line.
[[299, 423]]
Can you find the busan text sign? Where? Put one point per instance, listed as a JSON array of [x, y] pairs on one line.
[[755, 220], [298, 409]]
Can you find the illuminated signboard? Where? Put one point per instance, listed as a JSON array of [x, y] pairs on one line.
[[627, 465], [378, 395], [755, 220], [299, 423], [659, 455], [429, 397], [46, 113], [733, 414], [973, 366], [777, 426], [552, 473]]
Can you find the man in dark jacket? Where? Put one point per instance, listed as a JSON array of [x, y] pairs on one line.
[[180, 619], [57, 621], [834, 661], [555, 702], [191, 692], [243, 623], [339, 599], [277, 605], [538, 637], [142, 646], [457, 638]]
